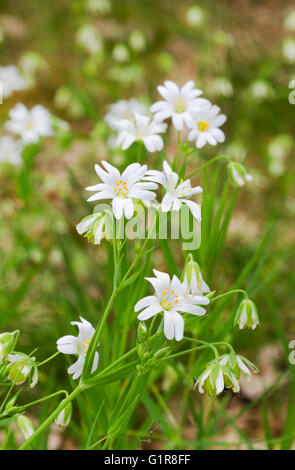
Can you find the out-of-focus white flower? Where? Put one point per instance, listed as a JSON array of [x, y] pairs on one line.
[[195, 16], [25, 426], [205, 126], [215, 378], [95, 226], [193, 278], [290, 21], [261, 89], [124, 109], [99, 6], [177, 192], [11, 80], [222, 86], [89, 39], [178, 103], [247, 315], [288, 49], [278, 149], [169, 299], [238, 174], [122, 188], [121, 52], [141, 129], [29, 124], [31, 63], [10, 150], [79, 346], [20, 367], [137, 40], [236, 150]]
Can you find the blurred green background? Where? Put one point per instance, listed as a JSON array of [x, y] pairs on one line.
[[80, 56]]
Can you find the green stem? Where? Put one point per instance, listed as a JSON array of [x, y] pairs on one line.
[[234, 291], [18, 409], [215, 159], [48, 359], [51, 417], [209, 345]]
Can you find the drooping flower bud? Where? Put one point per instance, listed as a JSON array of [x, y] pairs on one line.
[[239, 364], [238, 174], [25, 426], [141, 332], [215, 378], [6, 345], [247, 315], [21, 367], [193, 277], [64, 417]]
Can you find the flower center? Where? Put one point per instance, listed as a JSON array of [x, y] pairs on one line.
[[203, 126], [121, 189], [29, 124], [169, 299], [179, 105], [85, 345]]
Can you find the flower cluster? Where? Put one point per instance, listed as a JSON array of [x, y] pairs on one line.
[[184, 106]]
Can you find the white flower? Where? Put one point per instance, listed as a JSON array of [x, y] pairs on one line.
[[141, 128], [215, 377], [20, 367], [11, 80], [178, 103], [124, 109], [170, 299], [29, 124], [176, 194], [89, 38], [240, 365], [96, 226], [122, 188], [78, 345], [10, 150], [205, 126]]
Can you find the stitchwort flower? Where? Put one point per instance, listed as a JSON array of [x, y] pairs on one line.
[[124, 109], [78, 345], [177, 191], [179, 103], [215, 378], [21, 367], [122, 188], [11, 80], [205, 126], [96, 226], [29, 124], [169, 299], [141, 129]]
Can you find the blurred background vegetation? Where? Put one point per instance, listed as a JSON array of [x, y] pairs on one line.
[[79, 56]]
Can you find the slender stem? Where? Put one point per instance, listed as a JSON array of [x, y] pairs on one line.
[[234, 291], [95, 339], [215, 159], [48, 359], [51, 417], [17, 409], [209, 345]]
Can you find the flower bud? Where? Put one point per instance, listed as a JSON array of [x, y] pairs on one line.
[[161, 352], [10, 404], [247, 315], [6, 345], [141, 332], [25, 426], [21, 367], [64, 417], [238, 174], [193, 277]]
